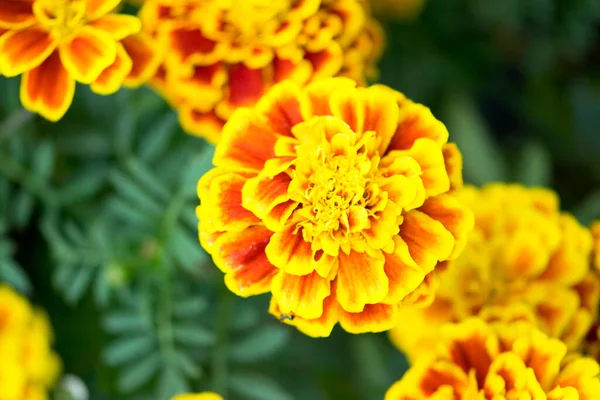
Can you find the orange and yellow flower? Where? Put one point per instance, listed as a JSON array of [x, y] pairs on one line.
[[28, 366], [224, 54], [199, 396], [596, 253], [335, 199], [525, 260], [55, 43], [477, 361]]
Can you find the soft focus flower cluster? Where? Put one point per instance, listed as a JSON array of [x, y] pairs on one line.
[[525, 261], [478, 361], [335, 199], [199, 396], [55, 43], [224, 54], [28, 366]]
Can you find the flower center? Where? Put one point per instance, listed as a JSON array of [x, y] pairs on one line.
[[336, 183], [62, 18]]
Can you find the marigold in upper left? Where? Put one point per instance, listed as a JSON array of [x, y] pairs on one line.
[[56, 43]]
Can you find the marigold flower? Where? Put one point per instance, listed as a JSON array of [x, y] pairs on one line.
[[477, 361], [199, 396], [28, 366], [525, 260], [596, 253], [55, 43], [224, 54], [336, 200]]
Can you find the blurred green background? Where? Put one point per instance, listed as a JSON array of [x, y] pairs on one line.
[[97, 220]]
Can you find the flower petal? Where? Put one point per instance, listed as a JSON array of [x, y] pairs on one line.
[[403, 273], [348, 105], [111, 78], [241, 255], [263, 194], [318, 327], [454, 164], [21, 51], [189, 46], [326, 63], [204, 124], [288, 251], [415, 122], [381, 114], [221, 203], [246, 86], [456, 218], [48, 89], [433, 170], [99, 8], [319, 92], [245, 143], [360, 280], [89, 53], [284, 106], [145, 57], [301, 295], [118, 26], [16, 14], [427, 239], [373, 318]]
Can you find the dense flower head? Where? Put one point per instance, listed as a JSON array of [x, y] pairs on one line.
[[199, 396], [56, 43], [28, 366], [525, 260], [479, 361], [596, 252], [224, 54], [335, 199]]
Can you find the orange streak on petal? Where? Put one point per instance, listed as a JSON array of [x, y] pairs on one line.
[[373, 318], [48, 89], [320, 91], [204, 124], [118, 26], [246, 86], [24, 50], [416, 121], [402, 272], [111, 78], [288, 251], [301, 295], [16, 14], [326, 63], [89, 53], [360, 280], [284, 106], [146, 59], [454, 164], [262, 193], [98, 8]]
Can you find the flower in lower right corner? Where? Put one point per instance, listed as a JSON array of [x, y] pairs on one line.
[[28, 366], [199, 396], [475, 360]]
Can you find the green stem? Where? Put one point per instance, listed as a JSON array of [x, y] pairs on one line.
[[15, 121], [220, 355]]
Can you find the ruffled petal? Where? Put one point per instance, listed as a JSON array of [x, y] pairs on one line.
[[433, 170], [582, 375], [118, 26], [16, 14], [204, 124], [111, 78], [284, 69], [48, 89], [320, 91], [263, 194], [360, 280], [381, 114], [145, 57], [89, 53], [220, 194], [415, 122], [456, 218], [454, 164], [188, 46], [21, 51], [99, 8], [245, 88], [403, 273], [301, 295], [288, 251], [241, 255], [284, 106], [427, 239], [318, 327], [245, 143], [373, 318], [326, 63], [348, 105]]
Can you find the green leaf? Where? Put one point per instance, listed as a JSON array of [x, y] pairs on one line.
[[23, 208], [589, 209], [124, 322], [482, 160], [187, 365], [148, 179], [139, 373], [128, 349], [13, 274], [82, 186], [190, 307], [157, 140], [534, 166], [171, 382], [260, 344], [132, 192], [193, 335], [76, 288], [255, 386], [43, 160]]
